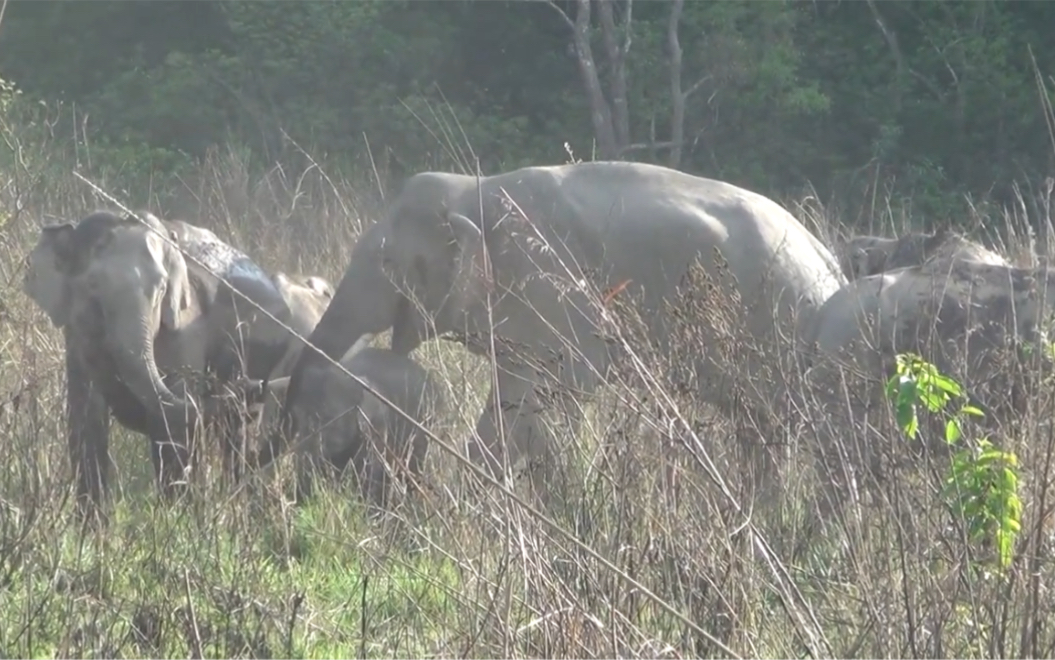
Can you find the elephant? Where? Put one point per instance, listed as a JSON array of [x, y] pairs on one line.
[[307, 299], [346, 423], [515, 264], [142, 326], [985, 325], [957, 314], [861, 256], [307, 302]]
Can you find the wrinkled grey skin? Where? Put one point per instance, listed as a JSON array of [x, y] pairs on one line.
[[979, 323], [141, 323], [862, 256], [609, 224], [344, 423]]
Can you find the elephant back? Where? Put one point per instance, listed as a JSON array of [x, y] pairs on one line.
[[226, 261]]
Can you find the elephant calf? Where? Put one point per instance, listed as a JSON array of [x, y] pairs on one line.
[[340, 421]]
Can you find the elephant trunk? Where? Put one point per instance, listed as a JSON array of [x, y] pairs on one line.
[[366, 302], [137, 367]]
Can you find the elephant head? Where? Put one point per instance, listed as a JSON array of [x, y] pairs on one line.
[[861, 256], [128, 282], [417, 271], [414, 273]]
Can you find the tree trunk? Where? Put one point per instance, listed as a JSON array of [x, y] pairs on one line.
[[616, 54], [600, 111], [677, 98]]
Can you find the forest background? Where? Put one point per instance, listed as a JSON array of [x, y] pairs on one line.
[[933, 105]]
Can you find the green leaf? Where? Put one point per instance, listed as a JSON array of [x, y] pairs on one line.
[[906, 402], [934, 401], [952, 431], [947, 384]]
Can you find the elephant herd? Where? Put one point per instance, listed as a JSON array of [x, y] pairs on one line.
[[543, 270]]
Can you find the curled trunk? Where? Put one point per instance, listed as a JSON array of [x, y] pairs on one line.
[[167, 413]]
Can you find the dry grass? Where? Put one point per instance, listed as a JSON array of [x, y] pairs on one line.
[[244, 575]]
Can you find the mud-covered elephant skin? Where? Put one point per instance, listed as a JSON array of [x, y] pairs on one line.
[[861, 256], [344, 424], [503, 261], [142, 326]]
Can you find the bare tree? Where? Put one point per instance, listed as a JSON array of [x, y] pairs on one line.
[[616, 53], [610, 113], [611, 129], [678, 98]]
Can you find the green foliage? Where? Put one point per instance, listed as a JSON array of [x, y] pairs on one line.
[[982, 485], [134, 591], [783, 93]]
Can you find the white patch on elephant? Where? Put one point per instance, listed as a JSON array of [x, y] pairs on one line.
[[226, 261]]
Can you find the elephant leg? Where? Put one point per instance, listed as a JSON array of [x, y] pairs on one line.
[[88, 434], [253, 355], [318, 458], [511, 428]]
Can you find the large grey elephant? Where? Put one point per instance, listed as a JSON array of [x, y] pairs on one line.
[[861, 256], [986, 325], [142, 326], [344, 423], [514, 265]]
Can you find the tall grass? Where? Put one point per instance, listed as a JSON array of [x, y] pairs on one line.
[[728, 568]]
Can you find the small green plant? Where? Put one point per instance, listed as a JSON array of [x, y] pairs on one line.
[[981, 487]]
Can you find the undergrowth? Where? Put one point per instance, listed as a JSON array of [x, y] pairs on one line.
[[244, 574]]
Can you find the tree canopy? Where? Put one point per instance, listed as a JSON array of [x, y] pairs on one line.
[[929, 100]]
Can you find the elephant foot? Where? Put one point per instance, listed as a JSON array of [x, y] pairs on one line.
[[172, 467]]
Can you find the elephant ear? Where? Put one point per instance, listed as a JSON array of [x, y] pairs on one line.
[[474, 262], [860, 263], [178, 294], [47, 268], [61, 239]]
